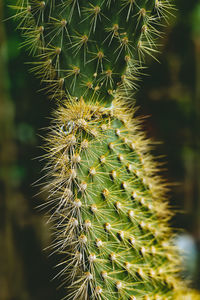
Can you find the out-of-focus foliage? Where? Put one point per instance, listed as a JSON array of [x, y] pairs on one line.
[[171, 96]]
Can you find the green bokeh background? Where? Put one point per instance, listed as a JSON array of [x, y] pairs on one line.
[[170, 96]]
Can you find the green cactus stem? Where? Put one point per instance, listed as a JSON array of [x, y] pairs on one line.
[[110, 207], [90, 48], [106, 197]]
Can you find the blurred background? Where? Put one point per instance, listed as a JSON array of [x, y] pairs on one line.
[[170, 96]]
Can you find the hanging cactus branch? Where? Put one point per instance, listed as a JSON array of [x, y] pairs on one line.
[[106, 197]]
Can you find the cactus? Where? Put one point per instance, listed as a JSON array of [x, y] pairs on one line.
[[107, 199]]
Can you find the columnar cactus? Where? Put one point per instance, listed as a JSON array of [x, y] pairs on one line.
[[106, 197]]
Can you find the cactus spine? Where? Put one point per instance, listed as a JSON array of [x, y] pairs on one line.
[[106, 196]]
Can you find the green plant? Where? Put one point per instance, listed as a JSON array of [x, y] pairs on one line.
[[106, 197]]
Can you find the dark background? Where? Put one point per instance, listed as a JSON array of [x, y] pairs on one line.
[[170, 96]]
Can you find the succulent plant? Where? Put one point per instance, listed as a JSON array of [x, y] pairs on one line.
[[107, 199]]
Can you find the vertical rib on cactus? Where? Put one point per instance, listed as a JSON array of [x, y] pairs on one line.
[[106, 196]]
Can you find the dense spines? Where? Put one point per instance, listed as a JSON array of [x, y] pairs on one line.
[[93, 45], [109, 207], [106, 198]]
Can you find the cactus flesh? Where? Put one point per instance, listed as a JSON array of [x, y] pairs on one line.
[[109, 206], [108, 201]]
